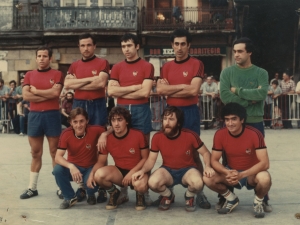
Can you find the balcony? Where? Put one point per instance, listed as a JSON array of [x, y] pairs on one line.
[[190, 18], [99, 18]]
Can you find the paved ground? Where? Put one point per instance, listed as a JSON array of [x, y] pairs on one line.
[[44, 209]]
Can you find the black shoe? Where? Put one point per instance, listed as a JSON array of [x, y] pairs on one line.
[[113, 197], [28, 194], [59, 194], [91, 200], [202, 201], [140, 201], [102, 195], [81, 194], [68, 203]]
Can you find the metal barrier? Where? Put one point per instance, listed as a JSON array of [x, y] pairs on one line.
[[208, 109], [5, 122], [282, 111]]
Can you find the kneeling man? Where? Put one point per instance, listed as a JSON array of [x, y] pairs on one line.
[[176, 146], [247, 160], [80, 140], [129, 149]]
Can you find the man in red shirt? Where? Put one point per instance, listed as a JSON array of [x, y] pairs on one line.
[[129, 149], [177, 146], [247, 160], [80, 141], [42, 88]]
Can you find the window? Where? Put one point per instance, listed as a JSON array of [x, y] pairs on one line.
[[107, 2], [81, 2], [119, 2]]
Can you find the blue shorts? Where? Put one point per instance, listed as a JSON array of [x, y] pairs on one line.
[[242, 182], [96, 110], [191, 118], [259, 126], [44, 123], [140, 117], [177, 175]]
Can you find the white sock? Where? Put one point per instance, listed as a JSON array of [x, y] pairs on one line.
[[229, 195], [33, 179], [258, 200], [166, 192], [189, 193], [81, 185]]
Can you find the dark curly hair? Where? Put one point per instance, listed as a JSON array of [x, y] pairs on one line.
[[120, 111], [236, 109]]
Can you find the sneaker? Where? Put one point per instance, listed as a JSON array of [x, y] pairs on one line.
[[28, 194], [229, 206], [91, 200], [68, 203], [258, 210], [165, 202], [220, 204], [123, 197], [21, 134], [189, 204], [102, 195], [148, 199], [113, 197], [202, 201], [81, 194], [267, 207], [59, 194], [140, 201]]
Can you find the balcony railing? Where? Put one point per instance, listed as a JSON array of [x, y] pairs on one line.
[[192, 18], [70, 18]]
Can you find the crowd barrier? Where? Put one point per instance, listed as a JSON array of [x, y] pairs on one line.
[[282, 109], [5, 121], [208, 109]]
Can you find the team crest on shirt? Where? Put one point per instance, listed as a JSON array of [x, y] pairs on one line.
[[188, 152], [94, 72], [88, 146], [132, 151], [52, 81], [135, 73], [248, 151], [185, 73]]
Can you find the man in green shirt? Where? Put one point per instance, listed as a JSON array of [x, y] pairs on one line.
[[246, 84]]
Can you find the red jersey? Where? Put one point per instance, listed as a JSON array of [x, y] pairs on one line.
[[44, 79], [126, 150], [132, 73], [177, 152], [89, 68], [240, 150], [82, 152], [182, 72]]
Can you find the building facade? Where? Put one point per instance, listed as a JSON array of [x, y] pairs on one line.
[[28, 24]]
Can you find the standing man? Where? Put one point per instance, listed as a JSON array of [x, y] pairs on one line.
[[131, 83], [246, 84], [80, 142], [288, 88], [209, 93], [180, 82], [176, 146], [247, 160], [42, 88], [129, 150], [88, 77]]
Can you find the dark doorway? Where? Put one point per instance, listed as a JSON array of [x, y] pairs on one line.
[[212, 65]]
